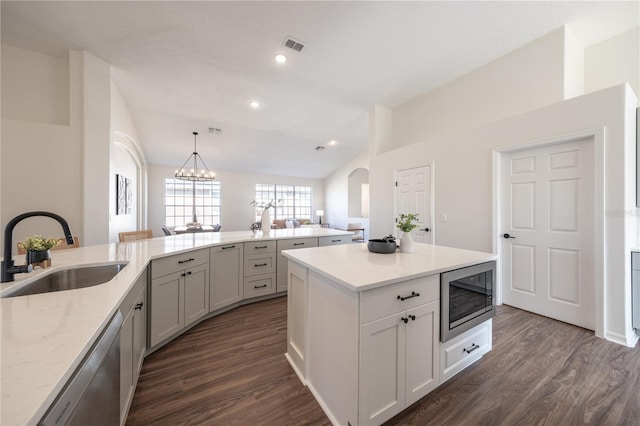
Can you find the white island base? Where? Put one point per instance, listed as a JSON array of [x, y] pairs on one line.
[[365, 354]]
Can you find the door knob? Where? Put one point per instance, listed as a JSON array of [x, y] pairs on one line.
[[426, 229], [508, 236]]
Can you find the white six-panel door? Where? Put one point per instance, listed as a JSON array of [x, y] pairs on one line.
[[548, 202], [413, 195]]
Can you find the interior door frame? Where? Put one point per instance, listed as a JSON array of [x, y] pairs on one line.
[[598, 136], [432, 210]]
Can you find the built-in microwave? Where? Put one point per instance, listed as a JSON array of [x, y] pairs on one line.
[[466, 298]]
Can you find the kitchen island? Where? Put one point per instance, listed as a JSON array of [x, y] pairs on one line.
[[364, 328], [46, 336]]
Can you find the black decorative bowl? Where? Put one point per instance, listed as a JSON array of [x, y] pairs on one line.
[[385, 245]]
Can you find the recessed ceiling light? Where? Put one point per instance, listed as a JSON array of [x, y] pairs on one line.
[[254, 104], [280, 58], [333, 142]]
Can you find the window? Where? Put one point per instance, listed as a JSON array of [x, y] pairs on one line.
[[179, 197], [296, 200]]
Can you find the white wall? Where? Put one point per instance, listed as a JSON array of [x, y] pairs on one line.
[[127, 159], [42, 162], [337, 195], [524, 79], [237, 191], [464, 183], [614, 61]]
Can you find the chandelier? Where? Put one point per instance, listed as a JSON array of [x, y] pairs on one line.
[[196, 174]]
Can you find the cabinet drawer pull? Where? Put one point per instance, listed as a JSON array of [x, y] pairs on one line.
[[228, 247], [189, 273], [405, 320], [191, 259], [260, 286], [298, 244], [335, 241], [138, 306], [259, 247], [183, 274], [413, 294], [413, 317], [259, 264], [471, 349]]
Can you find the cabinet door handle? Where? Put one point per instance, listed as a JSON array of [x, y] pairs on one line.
[[413, 317], [413, 294], [139, 306], [259, 264], [228, 247], [259, 247], [298, 244], [183, 274], [191, 259], [405, 320], [471, 349], [260, 286], [335, 241], [189, 273]]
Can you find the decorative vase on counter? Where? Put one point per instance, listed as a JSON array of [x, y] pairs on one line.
[[266, 222], [37, 256], [406, 242]]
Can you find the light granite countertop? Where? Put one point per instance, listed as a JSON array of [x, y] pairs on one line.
[[45, 336], [354, 267]]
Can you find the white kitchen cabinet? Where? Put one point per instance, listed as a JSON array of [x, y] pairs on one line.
[[289, 244], [133, 342], [465, 349], [259, 269], [333, 240], [180, 297], [398, 361], [226, 282]]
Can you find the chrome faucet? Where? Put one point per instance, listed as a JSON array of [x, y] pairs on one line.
[[8, 269]]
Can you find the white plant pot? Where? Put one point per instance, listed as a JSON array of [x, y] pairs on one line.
[[266, 222], [406, 242]]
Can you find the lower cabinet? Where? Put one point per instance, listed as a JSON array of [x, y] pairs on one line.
[[226, 283], [133, 343], [398, 361], [178, 299], [465, 349]]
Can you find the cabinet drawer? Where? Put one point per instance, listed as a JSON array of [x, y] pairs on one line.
[[338, 239], [388, 300], [256, 264], [178, 262], [635, 261], [465, 349], [258, 247], [296, 243], [259, 285]]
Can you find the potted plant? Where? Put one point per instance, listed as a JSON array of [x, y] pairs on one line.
[[37, 248], [407, 223], [266, 216]]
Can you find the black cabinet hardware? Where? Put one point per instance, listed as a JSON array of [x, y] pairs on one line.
[[405, 320], [228, 247], [183, 274], [471, 349], [260, 286], [298, 244], [335, 241], [189, 273], [413, 294], [259, 264], [185, 261], [413, 317], [259, 247], [138, 306]]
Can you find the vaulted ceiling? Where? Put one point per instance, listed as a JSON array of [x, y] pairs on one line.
[[183, 66]]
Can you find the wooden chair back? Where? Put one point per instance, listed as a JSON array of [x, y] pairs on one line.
[[135, 235], [63, 245], [358, 231]]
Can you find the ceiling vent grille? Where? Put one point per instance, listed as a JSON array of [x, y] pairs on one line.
[[294, 44], [319, 148], [215, 130]]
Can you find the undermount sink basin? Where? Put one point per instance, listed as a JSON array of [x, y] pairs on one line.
[[69, 279]]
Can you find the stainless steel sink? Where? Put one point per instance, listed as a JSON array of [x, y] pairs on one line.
[[69, 279]]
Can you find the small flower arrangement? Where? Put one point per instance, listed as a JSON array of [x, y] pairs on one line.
[[268, 205], [407, 222], [38, 243]]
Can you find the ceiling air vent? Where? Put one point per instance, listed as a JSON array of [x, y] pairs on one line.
[[294, 44], [215, 130], [319, 148]]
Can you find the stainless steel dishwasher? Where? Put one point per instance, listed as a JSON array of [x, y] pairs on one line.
[[92, 394]]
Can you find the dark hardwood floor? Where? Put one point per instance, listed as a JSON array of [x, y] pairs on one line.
[[231, 370]]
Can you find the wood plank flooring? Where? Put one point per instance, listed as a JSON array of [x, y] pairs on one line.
[[231, 370]]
